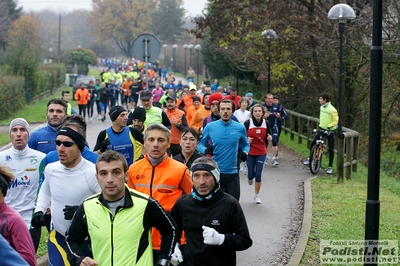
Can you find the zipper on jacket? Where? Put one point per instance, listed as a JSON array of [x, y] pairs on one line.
[[112, 239], [151, 181], [112, 231]]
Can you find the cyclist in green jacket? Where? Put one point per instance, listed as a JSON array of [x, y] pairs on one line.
[[328, 120]]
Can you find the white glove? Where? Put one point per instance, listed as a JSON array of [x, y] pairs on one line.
[[176, 257], [212, 237]]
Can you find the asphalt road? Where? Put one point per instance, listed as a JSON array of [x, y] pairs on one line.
[[271, 223]]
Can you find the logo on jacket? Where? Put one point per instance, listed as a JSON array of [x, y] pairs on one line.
[[34, 159], [215, 222], [23, 181], [95, 225], [139, 176], [8, 158], [130, 220]]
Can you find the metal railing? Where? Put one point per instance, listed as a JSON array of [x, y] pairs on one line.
[[346, 144]]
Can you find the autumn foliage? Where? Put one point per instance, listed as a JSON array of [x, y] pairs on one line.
[[305, 56], [25, 46], [120, 20]]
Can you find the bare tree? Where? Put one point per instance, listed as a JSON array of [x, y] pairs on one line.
[[9, 13]]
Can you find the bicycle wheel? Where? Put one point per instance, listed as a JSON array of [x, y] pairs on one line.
[[316, 159]]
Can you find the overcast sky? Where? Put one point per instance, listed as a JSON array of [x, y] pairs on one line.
[[193, 7]]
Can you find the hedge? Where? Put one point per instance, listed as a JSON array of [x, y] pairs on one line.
[[12, 95], [16, 92]]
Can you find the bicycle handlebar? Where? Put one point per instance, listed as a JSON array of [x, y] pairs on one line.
[[323, 131]]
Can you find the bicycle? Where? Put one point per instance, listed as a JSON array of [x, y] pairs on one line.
[[317, 151]]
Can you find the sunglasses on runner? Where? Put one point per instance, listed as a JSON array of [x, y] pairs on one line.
[[66, 144]]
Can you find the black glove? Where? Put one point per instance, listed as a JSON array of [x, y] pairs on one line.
[[243, 156], [38, 220], [69, 211], [104, 145], [209, 150]]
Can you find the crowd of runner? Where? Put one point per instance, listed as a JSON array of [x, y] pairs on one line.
[[161, 184]]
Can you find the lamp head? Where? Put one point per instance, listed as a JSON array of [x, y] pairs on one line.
[[341, 12], [269, 35]]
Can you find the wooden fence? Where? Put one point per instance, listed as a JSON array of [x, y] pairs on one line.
[[346, 144]]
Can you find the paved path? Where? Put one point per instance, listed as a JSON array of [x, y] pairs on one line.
[[270, 223]]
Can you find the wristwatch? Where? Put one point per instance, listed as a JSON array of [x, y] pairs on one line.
[[163, 262]]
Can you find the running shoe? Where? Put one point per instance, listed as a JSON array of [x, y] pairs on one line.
[[329, 171], [307, 162], [250, 181], [274, 162], [257, 199]]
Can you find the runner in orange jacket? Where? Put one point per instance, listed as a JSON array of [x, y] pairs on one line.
[[82, 95]]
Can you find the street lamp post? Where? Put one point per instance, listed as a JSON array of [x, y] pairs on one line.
[[341, 12], [185, 46], [268, 36], [375, 126], [173, 56], [198, 48], [190, 47], [165, 54]]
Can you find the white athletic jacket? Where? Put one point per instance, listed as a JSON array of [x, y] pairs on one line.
[[21, 194]]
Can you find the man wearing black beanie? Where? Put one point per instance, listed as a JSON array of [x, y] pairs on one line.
[[137, 115], [119, 137]]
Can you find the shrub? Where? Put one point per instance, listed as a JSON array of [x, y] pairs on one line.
[[12, 95]]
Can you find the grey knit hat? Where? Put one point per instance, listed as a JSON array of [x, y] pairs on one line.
[[19, 122]]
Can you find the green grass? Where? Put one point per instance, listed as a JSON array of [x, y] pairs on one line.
[[94, 72], [36, 112], [339, 209], [4, 139], [43, 243]]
